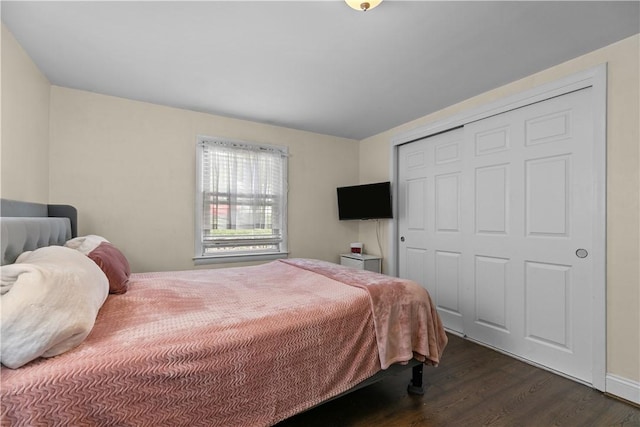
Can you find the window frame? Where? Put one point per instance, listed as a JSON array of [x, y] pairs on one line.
[[201, 258]]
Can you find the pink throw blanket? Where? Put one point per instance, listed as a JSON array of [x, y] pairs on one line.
[[406, 321]]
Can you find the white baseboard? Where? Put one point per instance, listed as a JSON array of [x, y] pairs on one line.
[[623, 388]]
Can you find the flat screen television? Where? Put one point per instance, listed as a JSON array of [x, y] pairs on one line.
[[368, 201]]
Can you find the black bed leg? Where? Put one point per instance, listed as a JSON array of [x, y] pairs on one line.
[[415, 386]]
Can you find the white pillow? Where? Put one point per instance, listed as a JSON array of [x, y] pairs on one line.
[[85, 244], [49, 302]]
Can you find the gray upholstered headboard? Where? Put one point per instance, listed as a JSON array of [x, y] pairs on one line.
[[27, 226]]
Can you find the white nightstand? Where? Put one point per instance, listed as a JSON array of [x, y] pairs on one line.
[[363, 262]]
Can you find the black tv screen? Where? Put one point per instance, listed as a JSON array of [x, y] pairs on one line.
[[368, 201]]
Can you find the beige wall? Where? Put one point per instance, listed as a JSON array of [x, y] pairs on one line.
[[24, 138], [623, 185], [129, 168]]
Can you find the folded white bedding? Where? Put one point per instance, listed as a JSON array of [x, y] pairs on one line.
[[49, 300], [85, 244]]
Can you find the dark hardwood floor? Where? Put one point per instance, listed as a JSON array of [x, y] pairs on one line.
[[474, 386]]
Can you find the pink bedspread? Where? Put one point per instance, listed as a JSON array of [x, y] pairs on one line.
[[244, 346], [406, 321]]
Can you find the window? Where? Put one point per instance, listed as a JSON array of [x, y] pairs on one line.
[[241, 202]]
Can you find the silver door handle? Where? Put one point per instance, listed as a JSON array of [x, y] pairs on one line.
[[402, 238]]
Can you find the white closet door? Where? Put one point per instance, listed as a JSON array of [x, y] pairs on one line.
[[497, 224], [429, 220], [529, 287]]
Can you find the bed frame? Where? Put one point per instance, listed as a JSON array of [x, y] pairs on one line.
[[27, 226], [415, 386], [15, 208], [17, 238]]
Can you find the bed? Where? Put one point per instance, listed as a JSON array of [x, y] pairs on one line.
[[247, 346]]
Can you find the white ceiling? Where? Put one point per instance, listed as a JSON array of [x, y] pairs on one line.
[[312, 65]]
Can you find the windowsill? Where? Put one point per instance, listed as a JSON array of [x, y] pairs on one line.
[[220, 259]]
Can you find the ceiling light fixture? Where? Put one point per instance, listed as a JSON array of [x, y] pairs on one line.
[[363, 5]]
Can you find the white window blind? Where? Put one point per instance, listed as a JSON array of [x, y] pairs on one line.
[[242, 198]]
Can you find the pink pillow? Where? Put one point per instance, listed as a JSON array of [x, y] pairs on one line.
[[114, 265]]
